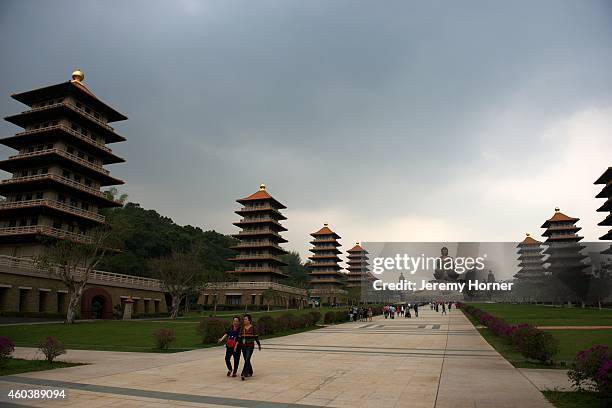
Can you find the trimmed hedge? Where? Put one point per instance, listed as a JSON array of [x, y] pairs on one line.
[[210, 329], [336, 316], [532, 342]]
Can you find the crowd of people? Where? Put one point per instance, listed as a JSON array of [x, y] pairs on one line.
[[360, 314], [407, 310]]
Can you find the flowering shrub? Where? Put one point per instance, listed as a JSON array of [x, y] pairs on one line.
[[531, 342], [51, 348], [603, 378], [164, 338], [585, 372], [6, 349]]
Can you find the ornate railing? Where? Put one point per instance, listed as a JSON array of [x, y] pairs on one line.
[[67, 130], [65, 154], [54, 204], [45, 230], [61, 179], [15, 265], [256, 286]]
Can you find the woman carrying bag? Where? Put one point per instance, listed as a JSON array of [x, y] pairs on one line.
[[232, 347]]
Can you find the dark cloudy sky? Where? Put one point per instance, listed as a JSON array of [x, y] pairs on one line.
[[396, 121]]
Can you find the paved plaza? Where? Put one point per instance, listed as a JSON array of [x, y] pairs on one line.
[[432, 361]]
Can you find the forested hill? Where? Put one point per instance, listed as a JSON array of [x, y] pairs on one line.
[[145, 235]]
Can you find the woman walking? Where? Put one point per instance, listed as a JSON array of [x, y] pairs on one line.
[[232, 347], [248, 338]]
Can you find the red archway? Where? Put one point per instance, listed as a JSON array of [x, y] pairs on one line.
[[102, 297]]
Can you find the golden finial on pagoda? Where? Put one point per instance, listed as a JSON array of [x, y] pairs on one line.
[[356, 243], [262, 187], [528, 234], [557, 209], [78, 75], [325, 225]]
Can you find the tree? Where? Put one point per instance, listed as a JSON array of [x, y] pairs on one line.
[[268, 296], [179, 273], [295, 269], [73, 263]]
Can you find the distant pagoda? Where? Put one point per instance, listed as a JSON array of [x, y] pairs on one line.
[[531, 261], [257, 261], [564, 250], [258, 258], [357, 267], [606, 192], [57, 174], [325, 278]]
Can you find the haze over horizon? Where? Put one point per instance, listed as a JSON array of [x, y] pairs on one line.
[[409, 122]]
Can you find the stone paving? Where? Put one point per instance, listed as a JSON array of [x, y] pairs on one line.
[[431, 361]]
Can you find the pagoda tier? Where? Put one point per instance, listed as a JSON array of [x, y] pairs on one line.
[[324, 274], [357, 267], [259, 253], [606, 192], [58, 170], [531, 261], [564, 250]]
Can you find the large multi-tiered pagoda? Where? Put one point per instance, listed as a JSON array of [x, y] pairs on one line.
[[606, 192], [258, 258], [58, 171], [565, 258], [357, 267], [531, 261], [326, 280], [258, 264]]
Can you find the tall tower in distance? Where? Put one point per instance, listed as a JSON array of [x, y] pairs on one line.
[[326, 280], [357, 267], [58, 172], [565, 256], [258, 258], [531, 261]]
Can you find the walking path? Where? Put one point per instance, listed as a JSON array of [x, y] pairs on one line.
[[433, 361]]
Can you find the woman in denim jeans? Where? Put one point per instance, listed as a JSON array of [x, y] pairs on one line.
[[248, 338], [232, 347]]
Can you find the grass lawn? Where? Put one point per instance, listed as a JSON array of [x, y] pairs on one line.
[[118, 335], [541, 315], [18, 365], [574, 399], [570, 341], [194, 316]]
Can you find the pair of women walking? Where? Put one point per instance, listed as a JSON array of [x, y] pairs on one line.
[[240, 339]]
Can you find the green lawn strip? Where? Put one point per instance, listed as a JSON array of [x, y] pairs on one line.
[[570, 341], [543, 315], [574, 399], [18, 366], [114, 335], [272, 313]]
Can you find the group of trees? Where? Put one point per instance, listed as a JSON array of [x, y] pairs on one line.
[[142, 242]]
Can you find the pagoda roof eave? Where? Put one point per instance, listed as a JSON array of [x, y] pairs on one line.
[[73, 88], [605, 178]]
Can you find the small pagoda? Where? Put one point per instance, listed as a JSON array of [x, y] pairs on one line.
[[565, 257], [531, 261], [357, 267], [258, 279], [606, 192], [58, 171], [327, 282]]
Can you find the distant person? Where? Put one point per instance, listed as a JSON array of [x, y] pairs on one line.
[[443, 308], [370, 314], [416, 310], [248, 338], [232, 347]]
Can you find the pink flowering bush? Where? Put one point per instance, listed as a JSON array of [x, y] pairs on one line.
[[51, 348], [592, 369], [6, 349]]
